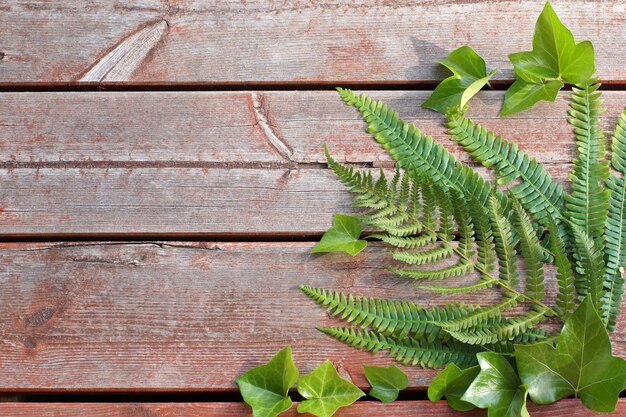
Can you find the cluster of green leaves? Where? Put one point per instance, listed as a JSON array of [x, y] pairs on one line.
[[266, 387], [442, 221]]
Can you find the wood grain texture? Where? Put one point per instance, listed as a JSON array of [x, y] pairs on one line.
[[172, 316], [208, 164], [564, 408], [265, 128], [281, 42], [173, 202]]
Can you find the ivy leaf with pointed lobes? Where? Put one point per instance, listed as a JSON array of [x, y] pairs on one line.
[[266, 387], [452, 383], [469, 76], [325, 391], [342, 237], [581, 364], [555, 58], [497, 388], [386, 382], [523, 95]]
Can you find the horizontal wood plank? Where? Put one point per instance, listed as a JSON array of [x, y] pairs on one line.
[[173, 202], [184, 160], [135, 129], [193, 42], [172, 316], [564, 408]]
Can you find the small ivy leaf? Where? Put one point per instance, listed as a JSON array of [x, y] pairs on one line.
[[523, 95], [452, 383], [469, 76], [386, 382], [266, 387], [325, 391], [581, 364], [555, 56], [497, 388], [342, 237]]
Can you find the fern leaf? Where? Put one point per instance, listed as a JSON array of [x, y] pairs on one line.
[[406, 350], [430, 256], [486, 252], [532, 253], [503, 237], [484, 283], [587, 204], [482, 315], [414, 151], [410, 242], [536, 191], [400, 318], [589, 265], [615, 231], [463, 219], [502, 331], [565, 299], [460, 269]]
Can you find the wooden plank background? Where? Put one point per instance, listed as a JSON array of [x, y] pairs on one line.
[[154, 235]]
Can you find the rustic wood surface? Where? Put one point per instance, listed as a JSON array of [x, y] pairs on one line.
[[194, 42], [172, 170], [564, 408], [230, 157], [182, 316]]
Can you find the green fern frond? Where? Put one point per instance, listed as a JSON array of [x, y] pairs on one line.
[[410, 242], [565, 299], [400, 318], [481, 316], [415, 152], [503, 238], [500, 331], [588, 202], [429, 256], [407, 350], [460, 269], [482, 284], [589, 265], [615, 231], [486, 251], [537, 192], [532, 253]]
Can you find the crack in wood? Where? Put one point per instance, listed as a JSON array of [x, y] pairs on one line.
[[261, 115], [124, 59]]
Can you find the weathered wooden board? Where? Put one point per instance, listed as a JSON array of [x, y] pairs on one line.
[[174, 316], [173, 202], [564, 408], [205, 129], [197, 42], [209, 164]]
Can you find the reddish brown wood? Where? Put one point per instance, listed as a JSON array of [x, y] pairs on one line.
[[181, 316], [190, 42], [204, 129], [190, 202], [564, 408]]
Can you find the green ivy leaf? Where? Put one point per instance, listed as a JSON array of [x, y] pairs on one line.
[[342, 237], [452, 383], [497, 387], [386, 382], [555, 57], [523, 95], [325, 391], [469, 76], [581, 364], [266, 387]]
